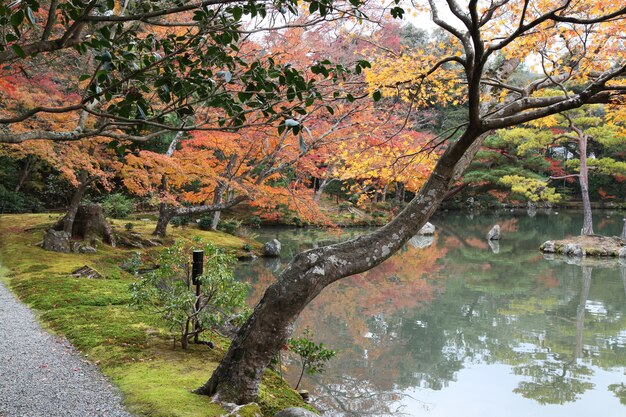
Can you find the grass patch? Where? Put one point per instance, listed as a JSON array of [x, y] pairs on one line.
[[66, 291], [161, 387], [134, 348], [275, 396]]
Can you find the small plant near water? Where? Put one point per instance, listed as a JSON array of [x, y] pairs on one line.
[[170, 292], [313, 356], [229, 226], [255, 221]]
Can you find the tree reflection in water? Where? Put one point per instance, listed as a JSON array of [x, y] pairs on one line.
[[417, 322]]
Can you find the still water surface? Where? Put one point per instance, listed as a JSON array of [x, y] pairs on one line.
[[452, 326]]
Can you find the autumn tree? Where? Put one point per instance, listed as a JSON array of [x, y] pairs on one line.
[[465, 72], [145, 67], [211, 171], [83, 163]]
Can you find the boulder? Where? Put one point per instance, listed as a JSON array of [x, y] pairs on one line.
[[427, 229], [420, 242], [295, 412], [622, 252], [246, 410], [494, 233], [572, 249], [57, 241], [272, 248], [86, 272], [548, 247], [494, 245], [80, 247]]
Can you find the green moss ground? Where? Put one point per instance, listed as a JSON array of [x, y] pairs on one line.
[[132, 347]]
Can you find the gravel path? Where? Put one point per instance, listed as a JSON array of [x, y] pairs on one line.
[[44, 376]]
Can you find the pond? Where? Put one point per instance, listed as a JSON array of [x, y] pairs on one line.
[[454, 326]]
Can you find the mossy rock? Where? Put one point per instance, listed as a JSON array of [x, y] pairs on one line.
[[592, 246], [247, 410]]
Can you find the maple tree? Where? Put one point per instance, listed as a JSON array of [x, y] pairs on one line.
[[465, 72], [145, 66], [83, 163], [161, 68], [212, 171]]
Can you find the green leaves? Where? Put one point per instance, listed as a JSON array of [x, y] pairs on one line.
[[397, 12], [18, 50], [143, 77], [313, 356], [168, 290]]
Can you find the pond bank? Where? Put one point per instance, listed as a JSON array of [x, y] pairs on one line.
[[130, 346]]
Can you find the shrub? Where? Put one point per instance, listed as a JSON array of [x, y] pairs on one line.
[[132, 264], [180, 221], [229, 226], [16, 202], [344, 206], [118, 206], [169, 290], [246, 233], [204, 222], [313, 356], [255, 221], [129, 226]]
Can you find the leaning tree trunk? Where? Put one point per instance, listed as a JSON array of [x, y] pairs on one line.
[[587, 228], [238, 375], [166, 214], [218, 198], [68, 219], [24, 173]]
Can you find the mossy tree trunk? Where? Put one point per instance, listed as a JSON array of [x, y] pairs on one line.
[[88, 223], [77, 197], [168, 212], [218, 199]]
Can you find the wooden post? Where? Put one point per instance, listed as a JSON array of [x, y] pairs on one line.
[[197, 268]]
